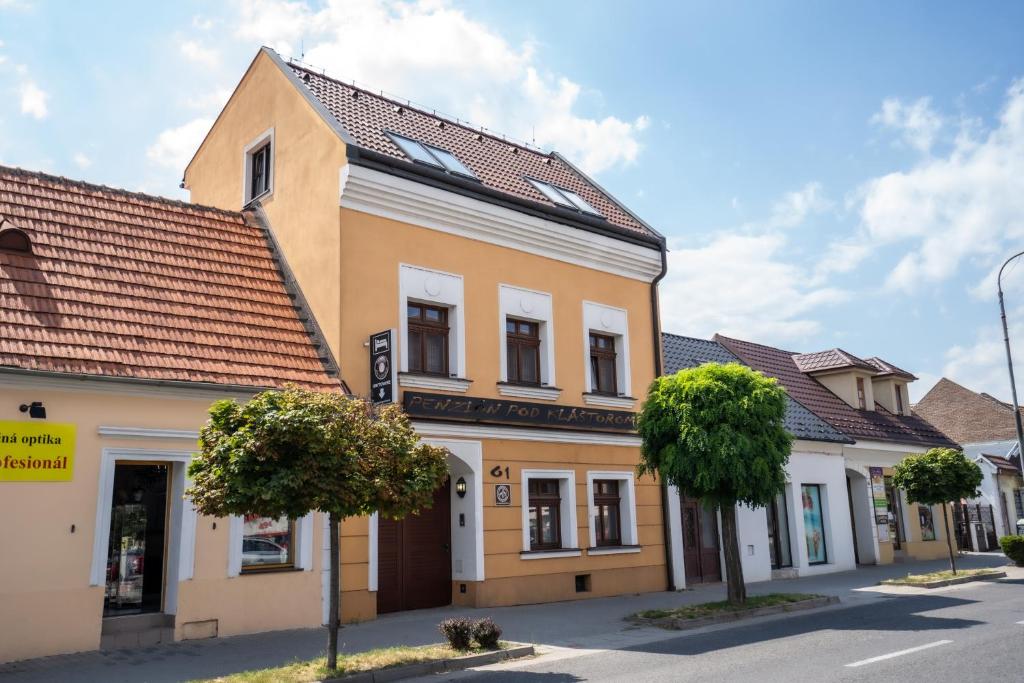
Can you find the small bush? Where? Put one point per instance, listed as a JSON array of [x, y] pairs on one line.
[[1013, 546], [486, 633], [458, 631]]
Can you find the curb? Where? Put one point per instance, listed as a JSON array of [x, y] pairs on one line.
[[726, 617], [946, 582], [399, 673]]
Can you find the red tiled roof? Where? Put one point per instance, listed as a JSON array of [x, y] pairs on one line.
[[884, 367], [965, 415], [499, 164], [879, 424], [833, 359], [126, 285]]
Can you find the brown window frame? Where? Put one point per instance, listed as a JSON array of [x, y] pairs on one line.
[[596, 355], [899, 400], [862, 395], [517, 344], [607, 499], [545, 499], [427, 327]]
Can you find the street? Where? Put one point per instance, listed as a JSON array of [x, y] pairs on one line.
[[967, 633]]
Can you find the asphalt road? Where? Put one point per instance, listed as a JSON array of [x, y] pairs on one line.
[[967, 634]]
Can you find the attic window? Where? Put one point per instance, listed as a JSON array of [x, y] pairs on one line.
[[563, 197], [431, 156], [14, 240]]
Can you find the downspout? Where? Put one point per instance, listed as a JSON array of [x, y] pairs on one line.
[[656, 329]]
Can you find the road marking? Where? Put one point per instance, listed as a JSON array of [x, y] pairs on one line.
[[1020, 622], [900, 653]]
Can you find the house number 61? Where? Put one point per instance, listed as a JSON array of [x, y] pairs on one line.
[[496, 472]]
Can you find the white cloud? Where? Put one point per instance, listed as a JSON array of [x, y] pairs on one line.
[[33, 100], [917, 122], [81, 160], [200, 54], [174, 147], [967, 205], [796, 206], [202, 23], [439, 56], [981, 366]]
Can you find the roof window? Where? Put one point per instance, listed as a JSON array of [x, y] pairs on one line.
[[563, 197], [431, 156], [13, 239]]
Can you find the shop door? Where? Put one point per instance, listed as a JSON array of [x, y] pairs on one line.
[[137, 546], [778, 533], [701, 555], [414, 562]]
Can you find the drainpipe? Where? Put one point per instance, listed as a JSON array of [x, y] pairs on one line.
[[656, 329]]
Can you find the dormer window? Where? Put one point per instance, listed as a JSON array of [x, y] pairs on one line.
[[899, 399], [563, 197], [862, 401], [14, 240], [436, 157]]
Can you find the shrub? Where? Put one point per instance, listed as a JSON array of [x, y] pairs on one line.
[[486, 633], [1013, 546], [458, 631]]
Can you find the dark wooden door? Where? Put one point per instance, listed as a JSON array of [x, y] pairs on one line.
[[701, 553], [414, 562]]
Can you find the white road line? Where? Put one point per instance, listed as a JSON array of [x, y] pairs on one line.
[[900, 653], [1020, 622]]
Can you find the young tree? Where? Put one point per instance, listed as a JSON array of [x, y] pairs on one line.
[[291, 452], [938, 477], [716, 432]]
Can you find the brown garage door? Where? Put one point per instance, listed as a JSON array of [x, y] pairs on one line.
[[414, 562]]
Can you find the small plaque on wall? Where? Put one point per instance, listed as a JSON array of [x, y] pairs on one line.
[[503, 494]]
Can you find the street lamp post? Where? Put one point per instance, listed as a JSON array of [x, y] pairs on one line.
[[1009, 364]]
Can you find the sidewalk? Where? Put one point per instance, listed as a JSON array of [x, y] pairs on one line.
[[588, 624]]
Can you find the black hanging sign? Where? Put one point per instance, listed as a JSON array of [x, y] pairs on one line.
[[521, 413], [382, 367]]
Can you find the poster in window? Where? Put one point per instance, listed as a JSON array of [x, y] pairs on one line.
[[814, 526], [927, 523]]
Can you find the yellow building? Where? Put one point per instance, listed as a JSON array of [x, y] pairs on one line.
[[496, 292]]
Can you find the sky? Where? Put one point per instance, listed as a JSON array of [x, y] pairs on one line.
[[827, 174]]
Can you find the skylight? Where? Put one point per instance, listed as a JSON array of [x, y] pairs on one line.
[[431, 156], [563, 197]]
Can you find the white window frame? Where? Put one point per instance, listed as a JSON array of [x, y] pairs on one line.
[[264, 138], [303, 543], [527, 304], [566, 513], [627, 513], [418, 284], [613, 322]]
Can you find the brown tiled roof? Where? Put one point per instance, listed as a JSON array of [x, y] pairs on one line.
[[833, 359], [498, 163], [1002, 464], [879, 424], [886, 368], [965, 415], [125, 285]]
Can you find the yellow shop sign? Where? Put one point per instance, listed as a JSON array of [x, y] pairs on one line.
[[32, 451]]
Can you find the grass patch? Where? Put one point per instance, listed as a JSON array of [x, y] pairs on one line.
[[316, 669], [708, 609], [918, 579]]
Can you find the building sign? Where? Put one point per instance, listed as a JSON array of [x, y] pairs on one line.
[[382, 367], [880, 505], [503, 494], [522, 413], [36, 451]]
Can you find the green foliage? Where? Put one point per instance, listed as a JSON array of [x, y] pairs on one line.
[[717, 433], [938, 476], [286, 453], [1013, 547]]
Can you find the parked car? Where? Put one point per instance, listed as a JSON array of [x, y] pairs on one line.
[[256, 550]]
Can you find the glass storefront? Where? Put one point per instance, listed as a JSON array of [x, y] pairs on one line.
[[814, 524], [778, 533]]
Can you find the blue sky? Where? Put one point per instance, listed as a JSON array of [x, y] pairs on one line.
[[828, 174]]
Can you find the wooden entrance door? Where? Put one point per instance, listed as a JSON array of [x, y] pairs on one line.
[[414, 562], [701, 556]]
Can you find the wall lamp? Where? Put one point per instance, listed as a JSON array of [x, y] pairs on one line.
[[460, 487], [34, 409]]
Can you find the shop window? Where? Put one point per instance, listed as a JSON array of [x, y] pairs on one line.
[[267, 543], [607, 519], [814, 524], [924, 513], [545, 514], [522, 342], [428, 339], [862, 401], [602, 365]]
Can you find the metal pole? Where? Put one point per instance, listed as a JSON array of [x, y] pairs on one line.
[[1009, 364]]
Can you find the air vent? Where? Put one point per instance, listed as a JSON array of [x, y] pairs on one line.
[[306, 78], [399, 110]]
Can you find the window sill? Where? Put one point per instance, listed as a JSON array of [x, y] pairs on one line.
[[614, 549], [545, 554], [529, 391], [257, 571], [608, 401], [261, 197], [435, 382]]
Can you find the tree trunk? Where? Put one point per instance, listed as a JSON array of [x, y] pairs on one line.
[[949, 539], [332, 611], [733, 567]]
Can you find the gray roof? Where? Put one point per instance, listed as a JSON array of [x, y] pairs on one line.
[[687, 352]]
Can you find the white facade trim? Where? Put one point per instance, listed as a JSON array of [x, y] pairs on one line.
[[527, 304], [538, 393], [567, 512], [429, 286], [675, 525], [390, 196], [614, 322], [548, 554], [466, 459], [612, 550], [303, 558], [180, 564], [627, 510], [518, 434], [609, 401], [374, 523], [901, 448], [143, 433], [434, 383]]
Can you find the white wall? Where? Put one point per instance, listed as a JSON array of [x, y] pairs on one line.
[[752, 525], [830, 472]]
